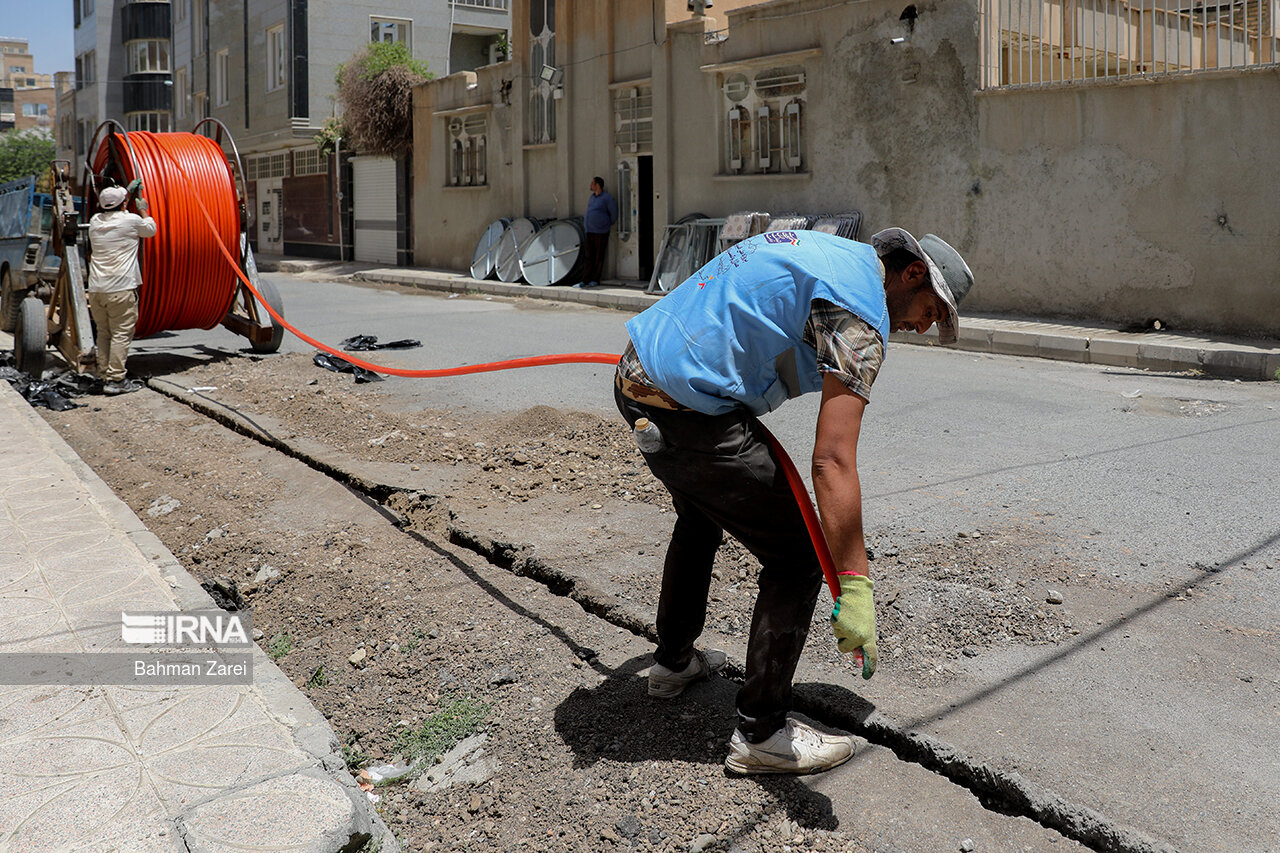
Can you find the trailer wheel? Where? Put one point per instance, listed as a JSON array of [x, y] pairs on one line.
[[10, 302], [30, 337], [272, 296]]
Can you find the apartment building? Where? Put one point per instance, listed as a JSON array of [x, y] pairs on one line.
[[122, 72], [266, 68], [27, 99]]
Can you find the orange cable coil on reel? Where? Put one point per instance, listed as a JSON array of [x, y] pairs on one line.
[[185, 282]]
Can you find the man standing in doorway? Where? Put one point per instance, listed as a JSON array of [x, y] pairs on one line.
[[773, 317], [114, 279], [602, 212]]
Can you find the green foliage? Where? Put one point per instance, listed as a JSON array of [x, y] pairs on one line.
[[318, 678], [280, 646], [330, 133], [1278, 374], [354, 754], [456, 720], [504, 47], [24, 153]]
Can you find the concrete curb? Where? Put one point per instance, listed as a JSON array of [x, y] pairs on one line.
[[1219, 357], [287, 705]]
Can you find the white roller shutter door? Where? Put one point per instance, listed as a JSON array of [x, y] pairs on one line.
[[375, 209]]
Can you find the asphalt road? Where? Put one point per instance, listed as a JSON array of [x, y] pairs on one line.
[[1169, 471]]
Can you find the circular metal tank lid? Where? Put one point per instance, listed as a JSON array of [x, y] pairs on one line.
[[551, 254], [484, 258], [513, 241]]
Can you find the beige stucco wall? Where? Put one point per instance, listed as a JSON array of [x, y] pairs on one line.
[[1133, 201]]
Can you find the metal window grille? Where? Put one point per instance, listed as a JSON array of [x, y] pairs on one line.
[[764, 130], [792, 139], [1037, 42], [542, 52], [468, 150], [266, 166], [307, 161], [764, 141], [633, 120]]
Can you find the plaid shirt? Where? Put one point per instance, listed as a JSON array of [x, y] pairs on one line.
[[848, 348]]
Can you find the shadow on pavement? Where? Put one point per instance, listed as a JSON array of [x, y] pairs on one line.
[[618, 721]]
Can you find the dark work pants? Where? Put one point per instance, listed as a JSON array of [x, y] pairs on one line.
[[723, 477], [593, 249]]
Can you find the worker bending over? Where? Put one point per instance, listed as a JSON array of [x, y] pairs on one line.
[[114, 279], [773, 317]]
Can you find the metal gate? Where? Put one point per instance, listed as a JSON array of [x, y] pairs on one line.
[[374, 180]]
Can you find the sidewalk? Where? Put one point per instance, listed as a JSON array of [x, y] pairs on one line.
[[1216, 356], [133, 768]]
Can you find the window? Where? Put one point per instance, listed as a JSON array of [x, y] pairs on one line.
[[199, 106], [153, 122], [148, 57], [266, 166], [84, 135], [85, 69], [179, 11], [542, 53], [468, 150], [32, 110], [222, 77], [276, 57], [626, 223], [633, 120], [764, 131], [392, 30], [86, 8], [17, 69], [307, 161], [180, 93]]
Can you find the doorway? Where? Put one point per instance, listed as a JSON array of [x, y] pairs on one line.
[[644, 217]]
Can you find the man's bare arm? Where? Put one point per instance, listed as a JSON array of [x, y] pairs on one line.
[[835, 474]]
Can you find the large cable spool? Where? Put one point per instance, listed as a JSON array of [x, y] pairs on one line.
[[186, 281], [514, 239]]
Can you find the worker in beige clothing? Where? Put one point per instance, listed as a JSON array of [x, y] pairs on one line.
[[114, 279]]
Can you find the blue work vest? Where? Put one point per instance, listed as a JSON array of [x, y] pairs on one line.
[[732, 334]]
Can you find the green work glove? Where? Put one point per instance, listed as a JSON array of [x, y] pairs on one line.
[[853, 620], [134, 186]]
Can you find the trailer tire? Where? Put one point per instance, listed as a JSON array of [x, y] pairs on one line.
[[31, 337], [272, 296], [10, 302]]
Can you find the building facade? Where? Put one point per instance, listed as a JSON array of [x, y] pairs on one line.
[[27, 99], [266, 69], [1121, 186], [122, 73]]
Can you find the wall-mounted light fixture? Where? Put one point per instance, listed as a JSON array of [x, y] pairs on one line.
[[551, 75]]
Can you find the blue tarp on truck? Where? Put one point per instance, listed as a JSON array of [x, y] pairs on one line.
[[15, 207]]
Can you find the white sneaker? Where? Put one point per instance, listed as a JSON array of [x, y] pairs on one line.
[[794, 748], [668, 684]]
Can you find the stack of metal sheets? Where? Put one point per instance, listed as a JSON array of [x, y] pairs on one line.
[[686, 248], [840, 224]]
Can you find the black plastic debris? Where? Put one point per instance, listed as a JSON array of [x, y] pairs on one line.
[[341, 365], [363, 343], [51, 393]]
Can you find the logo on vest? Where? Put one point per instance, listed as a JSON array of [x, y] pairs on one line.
[[782, 237]]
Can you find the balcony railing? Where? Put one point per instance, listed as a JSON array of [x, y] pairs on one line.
[[500, 5], [1034, 42]]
